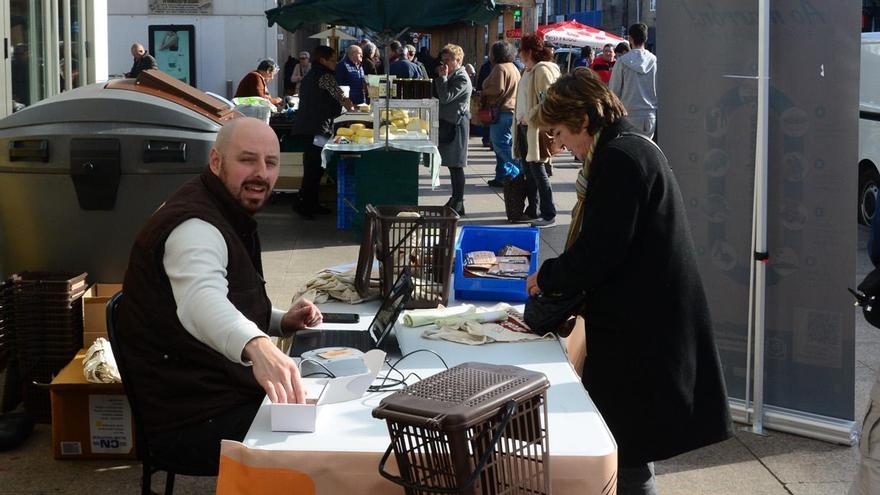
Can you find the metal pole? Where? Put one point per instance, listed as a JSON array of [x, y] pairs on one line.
[[760, 254], [751, 325], [54, 60], [84, 57], [68, 47]]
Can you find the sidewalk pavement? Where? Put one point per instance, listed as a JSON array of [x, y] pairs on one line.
[[294, 249]]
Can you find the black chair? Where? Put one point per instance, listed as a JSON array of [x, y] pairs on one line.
[[150, 463]]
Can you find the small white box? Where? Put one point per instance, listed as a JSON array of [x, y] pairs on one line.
[[322, 391]]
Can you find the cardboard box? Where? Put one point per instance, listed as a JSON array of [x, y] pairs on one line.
[[90, 420], [95, 311], [321, 391]]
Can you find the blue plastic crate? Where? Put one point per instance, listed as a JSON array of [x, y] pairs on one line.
[[479, 238], [345, 194]]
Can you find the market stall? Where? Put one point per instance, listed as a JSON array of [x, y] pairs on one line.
[[583, 453], [402, 148]]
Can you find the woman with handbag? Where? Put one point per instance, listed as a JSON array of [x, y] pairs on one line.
[[653, 370], [498, 96], [453, 87], [534, 153]]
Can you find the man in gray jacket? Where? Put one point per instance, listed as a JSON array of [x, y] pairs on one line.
[[634, 81]]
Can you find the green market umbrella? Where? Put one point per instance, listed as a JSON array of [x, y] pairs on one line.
[[382, 16]]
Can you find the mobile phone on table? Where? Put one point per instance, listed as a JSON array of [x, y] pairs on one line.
[[341, 317]]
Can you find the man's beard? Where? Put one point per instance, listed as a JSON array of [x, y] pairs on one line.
[[250, 204]]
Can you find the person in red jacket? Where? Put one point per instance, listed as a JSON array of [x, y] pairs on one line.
[[604, 63]]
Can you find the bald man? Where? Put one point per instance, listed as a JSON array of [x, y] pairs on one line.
[[350, 72], [194, 321], [142, 61]]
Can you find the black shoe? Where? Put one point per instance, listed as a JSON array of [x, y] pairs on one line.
[[458, 206], [495, 183]]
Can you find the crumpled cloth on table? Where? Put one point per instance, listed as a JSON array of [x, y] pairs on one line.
[[483, 327], [329, 284], [99, 365], [441, 314]]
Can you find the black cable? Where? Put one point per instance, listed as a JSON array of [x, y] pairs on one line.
[[329, 373], [317, 373], [385, 386]]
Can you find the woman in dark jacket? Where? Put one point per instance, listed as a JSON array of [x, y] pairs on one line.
[[320, 101], [453, 87], [652, 369]]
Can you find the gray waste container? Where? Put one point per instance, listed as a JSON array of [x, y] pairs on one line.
[[81, 172]]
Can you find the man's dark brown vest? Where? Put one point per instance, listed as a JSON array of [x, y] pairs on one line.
[[180, 380]]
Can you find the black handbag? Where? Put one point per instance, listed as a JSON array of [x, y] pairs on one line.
[[547, 313], [866, 295]]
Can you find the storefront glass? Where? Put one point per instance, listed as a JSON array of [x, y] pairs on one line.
[[26, 64]]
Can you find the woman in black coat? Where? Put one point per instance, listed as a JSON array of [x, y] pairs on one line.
[[652, 368]]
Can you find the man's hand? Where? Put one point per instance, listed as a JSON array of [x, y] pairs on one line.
[[442, 70], [532, 285], [347, 103], [274, 371], [303, 314]]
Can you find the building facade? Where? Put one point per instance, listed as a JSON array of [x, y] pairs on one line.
[[208, 44], [50, 46]]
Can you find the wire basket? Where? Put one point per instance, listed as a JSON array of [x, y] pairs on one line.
[[475, 428], [41, 323], [421, 238]]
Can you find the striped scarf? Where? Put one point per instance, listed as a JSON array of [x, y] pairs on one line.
[[577, 214]]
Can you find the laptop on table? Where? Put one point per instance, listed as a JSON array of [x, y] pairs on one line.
[[377, 336]]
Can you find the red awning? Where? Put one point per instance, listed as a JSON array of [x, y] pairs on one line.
[[573, 33]]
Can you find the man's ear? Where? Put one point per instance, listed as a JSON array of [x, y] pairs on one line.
[[214, 160]]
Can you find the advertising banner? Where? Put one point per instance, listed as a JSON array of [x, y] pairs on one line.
[[707, 88]]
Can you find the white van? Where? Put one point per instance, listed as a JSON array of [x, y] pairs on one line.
[[869, 127]]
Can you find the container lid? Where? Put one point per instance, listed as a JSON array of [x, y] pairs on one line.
[[462, 396], [120, 101]]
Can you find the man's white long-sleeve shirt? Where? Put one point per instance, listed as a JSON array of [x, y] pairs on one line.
[[195, 261]]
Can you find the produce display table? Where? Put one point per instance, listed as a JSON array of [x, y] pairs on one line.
[[388, 176], [342, 454]]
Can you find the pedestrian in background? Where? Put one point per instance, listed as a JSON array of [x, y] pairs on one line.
[[371, 63], [482, 74], [300, 71], [499, 94], [453, 88], [634, 81], [531, 144], [603, 64], [142, 61], [350, 73], [256, 83], [652, 369], [410, 52], [587, 57], [320, 101], [403, 67], [621, 49]]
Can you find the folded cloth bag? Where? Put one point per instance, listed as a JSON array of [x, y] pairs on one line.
[[328, 285], [99, 365], [475, 333], [422, 317]]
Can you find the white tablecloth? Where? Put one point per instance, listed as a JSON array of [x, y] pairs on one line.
[[426, 147], [342, 455]]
